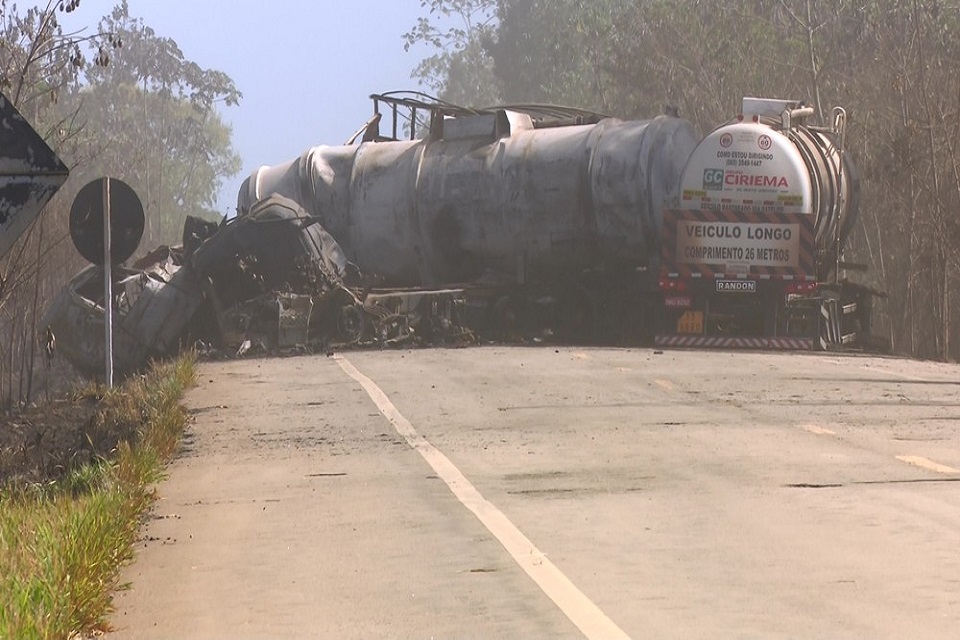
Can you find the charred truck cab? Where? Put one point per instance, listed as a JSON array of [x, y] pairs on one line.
[[751, 254]]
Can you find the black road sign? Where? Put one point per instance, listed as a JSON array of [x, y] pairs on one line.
[[30, 173], [126, 221]]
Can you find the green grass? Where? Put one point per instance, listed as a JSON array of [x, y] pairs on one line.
[[62, 544]]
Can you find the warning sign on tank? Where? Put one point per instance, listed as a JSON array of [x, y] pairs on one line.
[[696, 241], [757, 244]]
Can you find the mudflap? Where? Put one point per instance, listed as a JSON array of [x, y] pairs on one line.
[[846, 309]]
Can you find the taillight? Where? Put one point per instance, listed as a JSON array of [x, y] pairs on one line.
[[801, 287], [673, 285]]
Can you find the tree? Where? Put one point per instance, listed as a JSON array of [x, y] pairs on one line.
[[557, 52], [123, 102], [461, 70], [158, 112], [39, 65]]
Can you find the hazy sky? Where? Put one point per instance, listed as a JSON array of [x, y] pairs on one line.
[[306, 68]]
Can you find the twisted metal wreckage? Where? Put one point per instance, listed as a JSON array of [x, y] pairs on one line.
[[267, 281]]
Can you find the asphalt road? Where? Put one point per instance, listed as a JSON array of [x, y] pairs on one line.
[[558, 493]]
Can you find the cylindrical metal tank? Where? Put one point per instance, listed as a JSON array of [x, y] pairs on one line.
[[836, 186], [767, 164], [492, 196]]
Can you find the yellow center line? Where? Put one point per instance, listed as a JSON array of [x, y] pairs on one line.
[[926, 463], [812, 428], [898, 374]]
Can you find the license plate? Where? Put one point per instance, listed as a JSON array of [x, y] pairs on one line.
[[678, 302], [690, 322]]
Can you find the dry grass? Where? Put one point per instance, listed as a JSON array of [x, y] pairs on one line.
[[62, 544]]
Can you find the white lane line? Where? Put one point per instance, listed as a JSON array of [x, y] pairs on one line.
[[821, 431], [926, 463], [581, 611]]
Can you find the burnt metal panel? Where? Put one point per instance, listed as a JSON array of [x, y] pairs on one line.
[[153, 309], [294, 319], [159, 317], [265, 250]]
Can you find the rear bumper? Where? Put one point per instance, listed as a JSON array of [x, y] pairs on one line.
[[727, 342]]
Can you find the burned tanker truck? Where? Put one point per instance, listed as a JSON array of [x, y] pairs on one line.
[[565, 222], [525, 222]]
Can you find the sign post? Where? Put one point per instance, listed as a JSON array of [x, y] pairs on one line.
[[106, 223], [107, 287]]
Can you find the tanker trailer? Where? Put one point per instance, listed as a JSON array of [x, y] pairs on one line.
[[752, 253], [543, 200]]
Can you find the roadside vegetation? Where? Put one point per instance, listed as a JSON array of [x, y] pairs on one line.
[[63, 541]]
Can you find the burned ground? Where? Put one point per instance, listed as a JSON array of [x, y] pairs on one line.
[[65, 426], [42, 442]]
